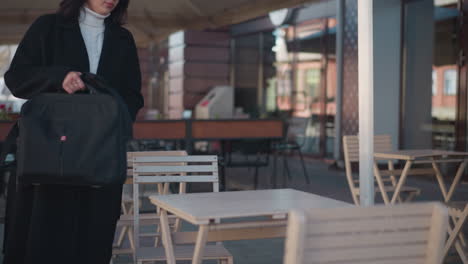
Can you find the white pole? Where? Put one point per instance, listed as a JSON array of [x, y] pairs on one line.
[[366, 101], [339, 78]]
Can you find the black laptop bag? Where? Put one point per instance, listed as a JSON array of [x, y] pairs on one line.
[[74, 139]]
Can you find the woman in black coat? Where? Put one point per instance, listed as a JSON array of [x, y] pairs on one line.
[[63, 224]]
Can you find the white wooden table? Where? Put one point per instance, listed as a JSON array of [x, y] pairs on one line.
[[207, 209], [421, 156]]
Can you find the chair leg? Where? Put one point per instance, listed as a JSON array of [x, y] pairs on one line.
[[284, 170], [286, 166], [130, 238], [122, 233], [256, 178], [454, 229], [462, 240], [273, 177], [222, 178], [156, 239], [256, 173], [306, 176], [410, 197]]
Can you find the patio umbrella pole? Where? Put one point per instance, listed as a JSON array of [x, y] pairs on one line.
[[366, 101]]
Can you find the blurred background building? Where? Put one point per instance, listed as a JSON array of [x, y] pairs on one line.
[[301, 62]]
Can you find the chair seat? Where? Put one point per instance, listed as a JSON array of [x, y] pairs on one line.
[[182, 252], [286, 146], [145, 219], [247, 163], [122, 251], [391, 188]]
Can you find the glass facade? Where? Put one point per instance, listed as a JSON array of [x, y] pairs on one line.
[[305, 81], [444, 82]]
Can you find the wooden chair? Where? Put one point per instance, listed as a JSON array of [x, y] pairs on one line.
[[125, 223], [458, 212], [400, 234], [382, 143], [189, 169]]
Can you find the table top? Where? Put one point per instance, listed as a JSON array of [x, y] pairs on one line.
[[412, 154], [200, 208]]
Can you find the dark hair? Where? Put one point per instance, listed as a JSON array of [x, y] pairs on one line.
[[70, 9]]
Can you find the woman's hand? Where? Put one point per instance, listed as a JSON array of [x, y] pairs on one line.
[[73, 82]]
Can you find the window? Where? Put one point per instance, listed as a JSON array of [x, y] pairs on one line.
[[450, 82], [284, 83], [313, 82], [434, 82]]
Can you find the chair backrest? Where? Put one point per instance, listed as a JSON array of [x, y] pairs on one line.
[[182, 169], [401, 234], [132, 155], [171, 169], [382, 143], [297, 127]]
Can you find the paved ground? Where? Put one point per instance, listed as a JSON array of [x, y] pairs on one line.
[[324, 181]]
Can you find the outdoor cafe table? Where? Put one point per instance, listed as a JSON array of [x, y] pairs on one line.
[[421, 156], [205, 210]]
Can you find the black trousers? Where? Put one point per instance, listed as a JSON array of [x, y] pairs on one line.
[[60, 224]]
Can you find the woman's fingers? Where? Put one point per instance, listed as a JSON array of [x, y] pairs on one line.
[[80, 84], [73, 82]]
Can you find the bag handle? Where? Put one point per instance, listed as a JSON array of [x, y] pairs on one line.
[[97, 85]]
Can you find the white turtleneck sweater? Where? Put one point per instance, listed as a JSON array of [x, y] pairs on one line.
[[92, 29]]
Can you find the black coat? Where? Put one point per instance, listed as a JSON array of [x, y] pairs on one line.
[[53, 46], [58, 224]]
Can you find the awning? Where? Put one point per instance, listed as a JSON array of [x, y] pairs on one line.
[[148, 19]]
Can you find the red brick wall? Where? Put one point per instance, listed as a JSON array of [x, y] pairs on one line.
[[440, 99]]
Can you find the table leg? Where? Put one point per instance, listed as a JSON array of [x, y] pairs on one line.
[[393, 178], [402, 180], [456, 180], [166, 237], [200, 244], [440, 179], [378, 177]]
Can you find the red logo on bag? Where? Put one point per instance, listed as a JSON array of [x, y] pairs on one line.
[[63, 138]]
